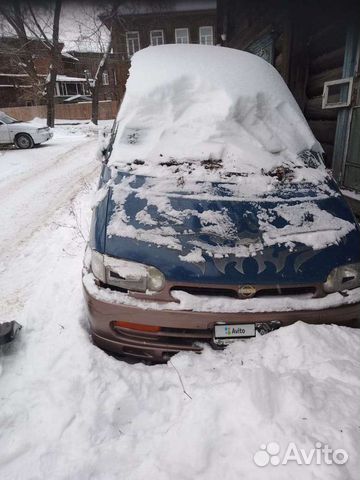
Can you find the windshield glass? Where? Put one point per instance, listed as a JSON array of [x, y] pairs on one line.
[[6, 119]]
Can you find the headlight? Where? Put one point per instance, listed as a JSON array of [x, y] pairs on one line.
[[127, 275], [341, 278], [43, 129]]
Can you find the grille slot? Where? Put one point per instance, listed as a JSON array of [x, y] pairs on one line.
[[273, 292], [208, 291], [261, 291]]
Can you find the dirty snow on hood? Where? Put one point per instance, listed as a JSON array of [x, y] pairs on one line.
[[194, 115]]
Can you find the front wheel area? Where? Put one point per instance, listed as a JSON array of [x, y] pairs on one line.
[[24, 141]]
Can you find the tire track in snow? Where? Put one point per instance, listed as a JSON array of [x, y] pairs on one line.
[[30, 209], [32, 200], [9, 182]]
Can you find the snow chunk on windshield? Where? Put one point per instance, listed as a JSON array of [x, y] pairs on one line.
[[198, 103]]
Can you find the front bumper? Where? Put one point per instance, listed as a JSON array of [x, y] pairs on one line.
[[181, 329], [41, 137]]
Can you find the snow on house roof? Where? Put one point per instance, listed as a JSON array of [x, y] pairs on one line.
[[68, 55], [65, 78], [14, 75]]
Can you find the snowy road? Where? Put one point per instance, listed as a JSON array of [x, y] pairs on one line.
[[34, 185], [69, 411]]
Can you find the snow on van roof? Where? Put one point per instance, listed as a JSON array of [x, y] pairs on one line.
[[235, 72], [196, 102]]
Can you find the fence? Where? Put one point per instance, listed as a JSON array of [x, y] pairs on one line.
[[74, 111]]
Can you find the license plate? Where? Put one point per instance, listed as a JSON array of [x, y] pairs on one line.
[[234, 331]]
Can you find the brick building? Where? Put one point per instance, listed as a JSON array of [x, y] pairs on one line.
[[18, 89], [76, 70], [140, 24], [113, 77]]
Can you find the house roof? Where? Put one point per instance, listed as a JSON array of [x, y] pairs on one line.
[[68, 55], [139, 7]]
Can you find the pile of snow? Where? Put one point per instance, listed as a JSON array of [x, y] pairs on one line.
[[64, 127], [70, 411], [203, 103]]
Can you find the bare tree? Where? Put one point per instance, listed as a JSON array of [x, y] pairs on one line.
[[56, 48], [98, 38], [21, 51], [96, 84], [27, 25]]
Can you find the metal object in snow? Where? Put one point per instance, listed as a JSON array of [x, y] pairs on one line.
[[8, 331]]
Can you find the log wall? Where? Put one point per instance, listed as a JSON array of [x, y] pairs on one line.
[[326, 56]]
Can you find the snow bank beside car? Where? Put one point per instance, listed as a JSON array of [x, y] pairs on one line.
[[82, 414], [65, 128], [69, 411]]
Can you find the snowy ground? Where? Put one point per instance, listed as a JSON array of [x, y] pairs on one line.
[[69, 411]]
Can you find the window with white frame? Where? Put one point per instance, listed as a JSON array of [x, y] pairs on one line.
[[206, 36], [157, 37], [337, 93], [105, 78], [181, 35], [132, 42], [69, 89], [115, 77]]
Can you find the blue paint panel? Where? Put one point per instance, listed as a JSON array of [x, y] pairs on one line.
[[97, 237], [275, 265]]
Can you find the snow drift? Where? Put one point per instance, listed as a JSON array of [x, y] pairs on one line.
[[197, 102]]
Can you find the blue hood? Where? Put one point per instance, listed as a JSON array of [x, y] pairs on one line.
[[275, 264]]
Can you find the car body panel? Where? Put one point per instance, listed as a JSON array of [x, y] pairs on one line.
[[9, 131], [273, 264]]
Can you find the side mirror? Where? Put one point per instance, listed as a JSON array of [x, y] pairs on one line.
[[103, 151], [101, 154]]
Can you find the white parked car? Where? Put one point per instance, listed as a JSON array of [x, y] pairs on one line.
[[22, 134]]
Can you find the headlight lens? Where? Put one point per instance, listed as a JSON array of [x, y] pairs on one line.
[[97, 265], [341, 278], [127, 275]]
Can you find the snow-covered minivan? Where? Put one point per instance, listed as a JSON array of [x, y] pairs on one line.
[[215, 218], [22, 134]]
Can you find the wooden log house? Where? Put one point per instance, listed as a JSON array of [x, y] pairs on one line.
[[315, 45]]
